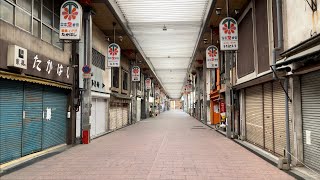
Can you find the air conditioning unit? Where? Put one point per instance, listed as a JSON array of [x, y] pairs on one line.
[[17, 57]]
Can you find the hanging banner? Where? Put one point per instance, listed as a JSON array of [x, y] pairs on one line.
[[148, 83], [228, 31], [70, 20], [114, 52], [135, 73], [212, 57], [189, 88]]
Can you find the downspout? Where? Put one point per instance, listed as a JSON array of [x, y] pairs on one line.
[[280, 37], [288, 149]]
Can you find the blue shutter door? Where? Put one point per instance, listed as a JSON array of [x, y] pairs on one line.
[[11, 103], [54, 128], [32, 121]]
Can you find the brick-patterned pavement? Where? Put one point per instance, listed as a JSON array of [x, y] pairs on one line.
[[170, 146]]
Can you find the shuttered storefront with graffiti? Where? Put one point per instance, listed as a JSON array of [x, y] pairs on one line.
[[33, 117]]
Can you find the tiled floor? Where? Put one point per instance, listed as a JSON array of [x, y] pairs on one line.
[[170, 146]]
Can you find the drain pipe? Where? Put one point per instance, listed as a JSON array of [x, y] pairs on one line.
[[280, 37], [288, 149]]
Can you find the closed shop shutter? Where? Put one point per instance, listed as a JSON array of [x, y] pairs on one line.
[[254, 115], [11, 105], [125, 115], [32, 120], [119, 116], [54, 128], [138, 109], [310, 94], [100, 116], [279, 118], [267, 117], [93, 119], [113, 117]]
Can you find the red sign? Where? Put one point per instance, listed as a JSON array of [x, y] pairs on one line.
[[222, 107]]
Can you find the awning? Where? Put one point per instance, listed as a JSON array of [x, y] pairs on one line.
[[31, 79]]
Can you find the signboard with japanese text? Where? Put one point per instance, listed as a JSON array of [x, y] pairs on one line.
[[114, 54], [39, 65], [135, 73], [228, 31], [212, 57], [70, 20], [148, 83]]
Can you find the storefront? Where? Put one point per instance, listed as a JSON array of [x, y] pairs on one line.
[[119, 113], [265, 117], [310, 95], [34, 103]]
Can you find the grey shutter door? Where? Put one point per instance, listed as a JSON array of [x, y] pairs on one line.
[[93, 120], [254, 115], [138, 109], [119, 116], [267, 116], [125, 115], [54, 129], [100, 116], [32, 122], [11, 107], [113, 117], [310, 92]]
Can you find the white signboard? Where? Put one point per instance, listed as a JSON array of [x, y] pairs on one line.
[[228, 30], [308, 137], [148, 83], [17, 57], [114, 54], [70, 20], [135, 73], [212, 57]]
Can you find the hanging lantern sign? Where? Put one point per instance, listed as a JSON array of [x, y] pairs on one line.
[[135, 73], [148, 83], [212, 56], [114, 52], [228, 31], [70, 20]]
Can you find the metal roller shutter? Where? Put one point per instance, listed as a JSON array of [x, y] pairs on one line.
[[267, 116], [310, 94], [32, 120], [119, 116], [279, 118], [93, 118], [100, 116], [113, 117], [254, 115], [54, 128], [11, 105], [125, 115], [138, 109]]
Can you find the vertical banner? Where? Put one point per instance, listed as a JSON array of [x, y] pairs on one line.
[[135, 73], [114, 52], [70, 20], [188, 88], [212, 57], [148, 83], [228, 30]]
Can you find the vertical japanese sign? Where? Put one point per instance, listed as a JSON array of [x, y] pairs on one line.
[[148, 83], [212, 57], [135, 73], [114, 55], [70, 20], [228, 34]]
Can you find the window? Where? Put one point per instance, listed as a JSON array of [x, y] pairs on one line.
[[98, 59], [115, 77], [125, 78], [19, 13]]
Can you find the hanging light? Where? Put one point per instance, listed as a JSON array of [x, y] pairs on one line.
[[164, 28], [218, 11]]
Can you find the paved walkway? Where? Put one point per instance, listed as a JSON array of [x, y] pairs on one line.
[[170, 146]]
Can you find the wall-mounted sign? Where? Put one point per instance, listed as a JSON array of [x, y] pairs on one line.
[[189, 88], [114, 54], [17, 57], [228, 31], [148, 83], [70, 20], [212, 57], [135, 73]]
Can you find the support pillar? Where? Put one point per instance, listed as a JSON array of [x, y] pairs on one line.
[[228, 59]]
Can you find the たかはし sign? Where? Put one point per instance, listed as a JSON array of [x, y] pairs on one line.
[[70, 20], [228, 34]]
